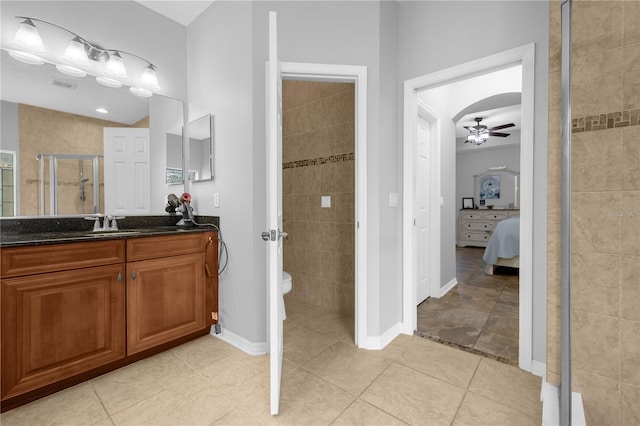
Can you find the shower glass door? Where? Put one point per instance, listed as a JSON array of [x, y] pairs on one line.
[[69, 184]]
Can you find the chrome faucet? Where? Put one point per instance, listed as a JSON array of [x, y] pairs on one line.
[[105, 224]]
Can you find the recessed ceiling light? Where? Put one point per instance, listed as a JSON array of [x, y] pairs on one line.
[[102, 111]]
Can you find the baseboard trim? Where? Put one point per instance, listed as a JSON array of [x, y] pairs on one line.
[[246, 346], [448, 286], [379, 342], [550, 397], [538, 368]]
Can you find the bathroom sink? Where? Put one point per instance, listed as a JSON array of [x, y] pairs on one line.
[[113, 234]]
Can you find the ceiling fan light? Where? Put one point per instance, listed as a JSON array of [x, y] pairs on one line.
[[28, 37], [115, 66], [108, 82], [149, 79], [74, 54], [141, 91], [72, 71], [26, 57]]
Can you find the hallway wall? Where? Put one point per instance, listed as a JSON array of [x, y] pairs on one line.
[[318, 159], [605, 208]]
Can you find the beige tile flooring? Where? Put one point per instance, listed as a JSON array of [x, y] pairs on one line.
[[327, 380]]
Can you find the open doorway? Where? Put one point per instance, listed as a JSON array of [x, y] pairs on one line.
[[481, 312], [444, 205]]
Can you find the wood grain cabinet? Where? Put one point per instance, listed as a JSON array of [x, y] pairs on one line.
[[73, 311]]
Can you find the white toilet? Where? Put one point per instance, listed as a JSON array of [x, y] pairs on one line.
[[287, 285], [286, 282]]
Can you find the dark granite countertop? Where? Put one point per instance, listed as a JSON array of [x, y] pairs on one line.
[[39, 231]]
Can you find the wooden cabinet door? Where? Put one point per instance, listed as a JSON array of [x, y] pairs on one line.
[[60, 324], [165, 300]]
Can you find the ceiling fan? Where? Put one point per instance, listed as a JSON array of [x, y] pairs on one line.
[[479, 133]]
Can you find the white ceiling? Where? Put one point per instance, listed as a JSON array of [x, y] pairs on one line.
[[181, 11]]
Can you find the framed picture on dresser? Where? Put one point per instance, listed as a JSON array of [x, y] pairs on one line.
[[467, 203]]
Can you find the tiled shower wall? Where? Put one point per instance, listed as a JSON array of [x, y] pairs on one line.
[[43, 130], [605, 208], [318, 160]]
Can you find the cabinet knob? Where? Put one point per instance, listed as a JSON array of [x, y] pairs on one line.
[[134, 275], [119, 276], [210, 240]]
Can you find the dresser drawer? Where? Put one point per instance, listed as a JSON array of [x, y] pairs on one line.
[[477, 226], [495, 216], [475, 236], [472, 216]]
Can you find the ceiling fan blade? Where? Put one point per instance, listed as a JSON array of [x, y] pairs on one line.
[[502, 135], [504, 126]]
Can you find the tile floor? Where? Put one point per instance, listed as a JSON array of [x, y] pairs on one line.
[[327, 380], [480, 314]]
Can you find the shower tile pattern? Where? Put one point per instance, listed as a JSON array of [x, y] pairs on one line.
[[605, 208], [318, 160]]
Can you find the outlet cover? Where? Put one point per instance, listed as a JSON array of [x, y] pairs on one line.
[[325, 201]]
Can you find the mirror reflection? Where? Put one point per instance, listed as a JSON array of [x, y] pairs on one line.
[[201, 149], [55, 125], [498, 189]]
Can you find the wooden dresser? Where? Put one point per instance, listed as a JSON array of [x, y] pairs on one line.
[[476, 226]]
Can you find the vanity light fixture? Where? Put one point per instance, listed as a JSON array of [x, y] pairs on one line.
[[82, 57]]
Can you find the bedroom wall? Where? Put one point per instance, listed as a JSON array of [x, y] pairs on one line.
[[605, 213], [471, 163]]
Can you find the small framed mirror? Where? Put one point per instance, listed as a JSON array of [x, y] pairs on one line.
[[201, 149]]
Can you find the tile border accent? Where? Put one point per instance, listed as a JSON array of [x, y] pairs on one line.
[[611, 120], [320, 160]]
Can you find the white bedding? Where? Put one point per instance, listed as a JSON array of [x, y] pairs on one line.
[[504, 242]]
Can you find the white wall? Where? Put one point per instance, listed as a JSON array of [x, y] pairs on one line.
[[227, 52], [433, 36], [471, 163], [9, 132]]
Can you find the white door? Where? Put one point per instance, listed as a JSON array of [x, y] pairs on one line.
[[421, 214], [126, 171], [273, 235]]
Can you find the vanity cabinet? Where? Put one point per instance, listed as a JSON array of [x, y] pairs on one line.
[[75, 310], [165, 289], [63, 312]]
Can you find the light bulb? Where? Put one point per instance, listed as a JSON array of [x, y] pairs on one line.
[[28, 37], [141, 91], [115, 66], [74, 53], [72, 71], [108, 82], [26, 57], [149, 79]]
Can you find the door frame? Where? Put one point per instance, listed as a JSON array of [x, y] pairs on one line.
[[356, 74], [524, 55]]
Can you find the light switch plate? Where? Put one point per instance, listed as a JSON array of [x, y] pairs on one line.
[[216, 199], [393, 199], [325, 201]]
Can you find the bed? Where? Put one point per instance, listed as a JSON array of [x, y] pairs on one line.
[[503, 248]]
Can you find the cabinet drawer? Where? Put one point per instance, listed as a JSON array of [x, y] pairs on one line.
[[172, 245], [495, 216], [475, 236], [60, 257], [477, 226]]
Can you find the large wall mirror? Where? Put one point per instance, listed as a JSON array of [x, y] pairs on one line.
[[201, 149], [55, 123]]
